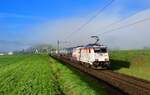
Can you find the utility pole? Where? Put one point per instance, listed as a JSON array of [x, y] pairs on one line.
[[58, 43]]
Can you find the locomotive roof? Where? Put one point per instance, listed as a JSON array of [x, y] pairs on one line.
[[74, 47], [94, 45], [87, 46]]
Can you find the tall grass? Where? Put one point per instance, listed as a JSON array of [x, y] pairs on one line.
[[42, 75], [30, 76], [138, 62], [72, 83]]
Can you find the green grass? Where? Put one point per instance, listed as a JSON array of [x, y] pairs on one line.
[[7, 60], [132, 62], [42, 75], [25, 75], [73, 82]]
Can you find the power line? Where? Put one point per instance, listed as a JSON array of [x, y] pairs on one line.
[[91, 19], [125, 26], [128, 25], [119, 21]]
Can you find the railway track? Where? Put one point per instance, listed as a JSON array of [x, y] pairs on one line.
[[127, 84]]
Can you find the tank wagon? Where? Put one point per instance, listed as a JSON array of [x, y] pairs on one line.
[[92, 55]]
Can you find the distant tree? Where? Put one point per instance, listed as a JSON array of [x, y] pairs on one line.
[[146, 47], [42, 48]]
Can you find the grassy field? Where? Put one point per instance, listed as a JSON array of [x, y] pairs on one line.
[[132, 62], [42, 75], [25, 75]]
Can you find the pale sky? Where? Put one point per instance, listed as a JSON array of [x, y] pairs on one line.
[[27, 22]]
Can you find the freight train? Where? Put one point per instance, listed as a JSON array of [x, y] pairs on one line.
[[92, 55]]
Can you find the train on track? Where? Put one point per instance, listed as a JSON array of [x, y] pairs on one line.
[[92, 55]]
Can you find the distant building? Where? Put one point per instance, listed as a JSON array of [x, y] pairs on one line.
[[10, 53], [1, 54], [36, 51]]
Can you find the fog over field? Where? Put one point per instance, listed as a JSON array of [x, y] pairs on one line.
[[48, 30], [135, 36]]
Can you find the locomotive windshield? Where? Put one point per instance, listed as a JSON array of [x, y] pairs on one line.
[[100, 50]]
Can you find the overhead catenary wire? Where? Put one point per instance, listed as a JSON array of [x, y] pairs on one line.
[[125, 26], [119, 21], [109, 25], [90, 19]]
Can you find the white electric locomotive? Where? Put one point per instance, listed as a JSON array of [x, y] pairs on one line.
[[92, 55]]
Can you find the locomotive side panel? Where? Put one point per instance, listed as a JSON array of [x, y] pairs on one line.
[[87, 55], [76, 54]]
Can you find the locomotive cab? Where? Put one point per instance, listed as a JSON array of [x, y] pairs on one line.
[[101, 57]]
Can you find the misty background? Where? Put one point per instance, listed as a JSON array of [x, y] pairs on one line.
[[57, 20]]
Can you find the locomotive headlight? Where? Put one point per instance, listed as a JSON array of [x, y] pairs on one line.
[[106, 59], [96, 59]]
